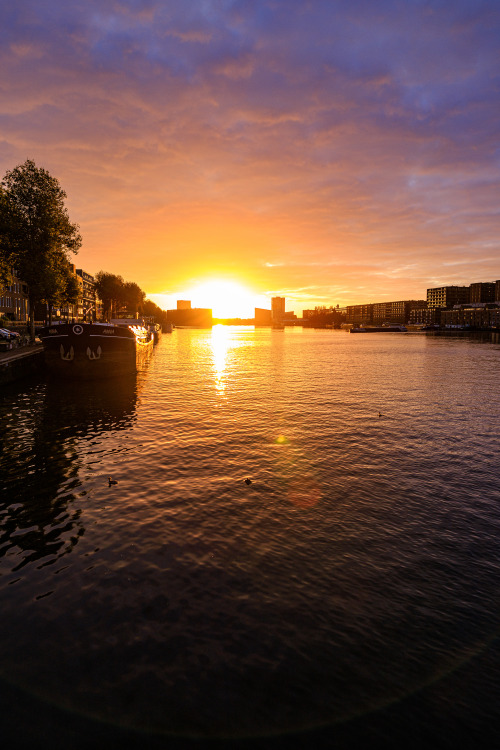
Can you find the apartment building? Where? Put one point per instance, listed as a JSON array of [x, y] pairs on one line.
[[359, 313], [447, 296], [483, 291], [14, 303], [478, 315], [87, 298], [396, 312]]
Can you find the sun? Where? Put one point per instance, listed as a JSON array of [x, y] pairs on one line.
[[227, 299]]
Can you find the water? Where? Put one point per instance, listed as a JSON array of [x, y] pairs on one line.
[[351, 587]]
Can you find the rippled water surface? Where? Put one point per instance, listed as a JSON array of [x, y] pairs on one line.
[[359, 565]]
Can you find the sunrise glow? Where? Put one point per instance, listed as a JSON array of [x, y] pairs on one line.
[[226, 299], [330, 153]]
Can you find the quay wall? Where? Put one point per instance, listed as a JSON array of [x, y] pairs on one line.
[[19, 364]]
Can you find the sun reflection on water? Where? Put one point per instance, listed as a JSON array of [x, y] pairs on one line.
[[221, 342]]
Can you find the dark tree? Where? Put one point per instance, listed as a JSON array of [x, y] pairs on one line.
[[151, 310], [37, 232], [133, 297], [8, 226], [110, 290], [64, 289]]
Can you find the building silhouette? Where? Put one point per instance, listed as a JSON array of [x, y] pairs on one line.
[[447, 296], [483, 291], [14, 303], [277, 309], [186, 316], [263, 317]]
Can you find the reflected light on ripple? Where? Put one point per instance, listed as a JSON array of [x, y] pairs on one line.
[[221, 343], [359, 566], [303, 490]]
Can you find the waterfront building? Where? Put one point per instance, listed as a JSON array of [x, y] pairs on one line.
[[497, 290], [482, 291], [86, 306], [263, 317], [447, 296], [278, 308], [396, 312], [190, 317], [359, 314], [479, 315], [424, 316], [14, 303]]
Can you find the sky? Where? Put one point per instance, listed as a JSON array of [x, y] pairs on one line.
[[331, 151]]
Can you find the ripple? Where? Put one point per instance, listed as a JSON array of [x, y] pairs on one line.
[[360, 564]]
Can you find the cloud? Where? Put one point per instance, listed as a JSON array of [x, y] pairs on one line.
[[325, 132]]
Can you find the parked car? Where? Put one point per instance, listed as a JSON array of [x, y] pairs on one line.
[[8, 335]]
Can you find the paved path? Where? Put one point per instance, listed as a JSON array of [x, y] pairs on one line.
[[20, 352]]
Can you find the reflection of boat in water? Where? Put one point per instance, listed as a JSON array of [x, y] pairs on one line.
[[155, 330], [78, 408], [45, 444], [380, 329], [78, 350]]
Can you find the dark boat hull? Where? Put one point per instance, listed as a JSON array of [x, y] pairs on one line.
[[380, 329], [85, 350]]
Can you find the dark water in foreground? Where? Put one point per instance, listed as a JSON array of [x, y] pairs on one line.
[[350, 592]]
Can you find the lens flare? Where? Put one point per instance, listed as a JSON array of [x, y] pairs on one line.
[[301, 487]]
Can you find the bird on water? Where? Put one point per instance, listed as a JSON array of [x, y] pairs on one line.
[[112, 481], [248, 481]]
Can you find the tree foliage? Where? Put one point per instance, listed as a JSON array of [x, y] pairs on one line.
[[8, 224], [36, 235], [109, 288], [151, 310], [133, 297], [63, 288], [325, 317], [116, 293]]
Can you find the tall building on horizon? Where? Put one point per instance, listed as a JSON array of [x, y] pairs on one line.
[[277, 308], [482, 291], [447, 296]]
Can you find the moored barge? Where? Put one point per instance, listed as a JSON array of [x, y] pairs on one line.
[[380, 329], [81, 350]]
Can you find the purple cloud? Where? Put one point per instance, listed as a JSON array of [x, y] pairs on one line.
[[341, 127]]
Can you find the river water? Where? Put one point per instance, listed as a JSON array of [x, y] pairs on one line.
[[351, 586]]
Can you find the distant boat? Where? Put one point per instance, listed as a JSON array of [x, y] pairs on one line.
[[84, 350], [380, 329]]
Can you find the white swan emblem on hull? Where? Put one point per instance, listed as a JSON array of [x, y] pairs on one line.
[[69, 356], [94, 355]]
